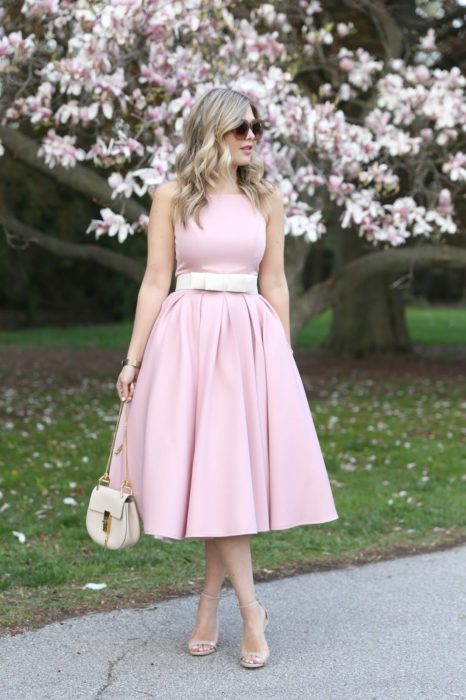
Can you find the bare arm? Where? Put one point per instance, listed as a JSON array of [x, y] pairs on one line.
[[155, 284], [272, 280]]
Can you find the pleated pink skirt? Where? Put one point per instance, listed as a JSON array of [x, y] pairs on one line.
[[221, 439]]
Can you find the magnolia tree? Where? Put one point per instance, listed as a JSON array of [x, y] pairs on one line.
[[94, 94]]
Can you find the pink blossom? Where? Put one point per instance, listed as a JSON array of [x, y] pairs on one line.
[[445, 224], [141, 224], [37, 8], [360, 66], [60, 150], [118, 150], [312, 7], [38, 107], [427, 42], [345, 63], [111, 224], [307, 179], [128, 72], [338, 189], [154, 175], [345, 92], [427, 134], [70, 111], [343, 29], [296, 225], [124, 186], [455, 167], [15, 50], [316, 227], [445, 205]]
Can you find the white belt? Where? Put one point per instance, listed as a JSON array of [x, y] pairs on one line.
[[217, 281]]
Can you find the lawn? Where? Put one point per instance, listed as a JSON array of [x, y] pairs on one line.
[[394, 449], [429, 326]]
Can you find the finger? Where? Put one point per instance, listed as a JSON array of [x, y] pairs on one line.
[[122, 393], [131, 390], [127, 390]]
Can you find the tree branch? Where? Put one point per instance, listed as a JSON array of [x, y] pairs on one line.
[[81, 179], [410, 21], [133, 269], [389, 32], [322, 296]]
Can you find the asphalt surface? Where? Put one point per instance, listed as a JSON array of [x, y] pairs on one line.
[[394, 630]]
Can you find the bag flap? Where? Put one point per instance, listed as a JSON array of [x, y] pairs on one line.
[[105, 498]]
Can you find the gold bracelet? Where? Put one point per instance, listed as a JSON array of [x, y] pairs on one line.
[[133, 363]]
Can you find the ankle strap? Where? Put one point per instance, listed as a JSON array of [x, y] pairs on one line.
[[212, 597], [247, 605]]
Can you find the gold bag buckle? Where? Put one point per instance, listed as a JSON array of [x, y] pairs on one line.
[[107, 521]]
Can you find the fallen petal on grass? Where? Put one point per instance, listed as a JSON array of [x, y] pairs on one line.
[[20, 535], [70, 501]]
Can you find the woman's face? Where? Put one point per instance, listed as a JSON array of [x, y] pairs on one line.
[[239, 155]]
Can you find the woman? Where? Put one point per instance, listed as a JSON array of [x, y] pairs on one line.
[[221, 440]]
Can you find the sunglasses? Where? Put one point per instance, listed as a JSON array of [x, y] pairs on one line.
[[256, 126]]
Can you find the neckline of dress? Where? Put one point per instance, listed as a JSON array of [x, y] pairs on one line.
[[226, 194]]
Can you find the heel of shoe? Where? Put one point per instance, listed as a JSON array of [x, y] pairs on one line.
[[212, 644], [267, 616], [261, 658]]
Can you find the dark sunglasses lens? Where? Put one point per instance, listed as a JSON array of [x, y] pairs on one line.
[[243, 129], [257, 129]]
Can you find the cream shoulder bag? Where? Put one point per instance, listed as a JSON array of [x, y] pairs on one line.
[[112, 519]]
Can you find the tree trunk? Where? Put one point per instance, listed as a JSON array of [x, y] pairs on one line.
[[369, 320]]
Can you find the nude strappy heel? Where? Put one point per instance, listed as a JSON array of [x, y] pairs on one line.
[[260, 658], [213, 643]]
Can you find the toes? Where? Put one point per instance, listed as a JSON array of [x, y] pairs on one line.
[[201, 647], [252, 659]]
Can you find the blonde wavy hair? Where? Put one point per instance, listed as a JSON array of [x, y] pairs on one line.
[[205, 157]]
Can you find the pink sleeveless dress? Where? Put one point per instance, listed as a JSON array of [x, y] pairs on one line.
[[221, 440]]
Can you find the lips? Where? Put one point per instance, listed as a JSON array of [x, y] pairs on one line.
[[247, 149]]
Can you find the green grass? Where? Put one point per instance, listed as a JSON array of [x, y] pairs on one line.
[[395, 453], [428, 326], [111, 335], [437, 326]]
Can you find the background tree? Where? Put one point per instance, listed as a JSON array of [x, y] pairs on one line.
[[365, 108]]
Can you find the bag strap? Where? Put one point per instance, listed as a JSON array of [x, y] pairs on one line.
[[106, 476]]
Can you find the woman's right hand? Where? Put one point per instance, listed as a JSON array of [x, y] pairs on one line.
[[126, 382]]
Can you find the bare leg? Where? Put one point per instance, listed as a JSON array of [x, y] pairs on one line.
[[235, 553], [206, 620]]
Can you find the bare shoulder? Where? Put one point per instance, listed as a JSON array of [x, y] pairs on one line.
[[274, 203], [276, 193], [162, 199], [166, 191], [160, 219]]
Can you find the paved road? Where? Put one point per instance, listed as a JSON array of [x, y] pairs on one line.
[[393, 630]]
